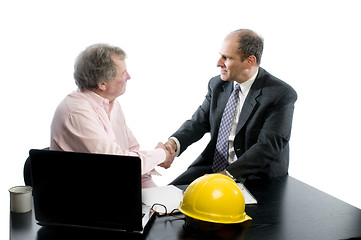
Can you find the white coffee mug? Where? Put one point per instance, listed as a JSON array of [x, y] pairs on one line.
[[20, 199]]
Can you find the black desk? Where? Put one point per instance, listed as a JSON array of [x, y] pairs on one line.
[[287, 209]]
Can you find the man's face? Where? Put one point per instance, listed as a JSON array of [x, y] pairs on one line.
[[232, 67], [117, 87]]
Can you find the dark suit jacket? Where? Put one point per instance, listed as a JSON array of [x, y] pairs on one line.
[[263, 132]]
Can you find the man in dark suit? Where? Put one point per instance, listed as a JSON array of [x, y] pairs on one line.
[[257, 137]]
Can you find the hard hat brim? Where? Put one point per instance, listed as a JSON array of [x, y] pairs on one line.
[[241, 219]]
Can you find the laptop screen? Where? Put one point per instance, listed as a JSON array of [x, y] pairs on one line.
[[87, 190]]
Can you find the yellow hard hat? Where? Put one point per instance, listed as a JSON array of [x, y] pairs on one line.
[[214, 198]]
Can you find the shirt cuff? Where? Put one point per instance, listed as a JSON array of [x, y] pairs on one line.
[[230, 175], [178, 145], [238, 180]]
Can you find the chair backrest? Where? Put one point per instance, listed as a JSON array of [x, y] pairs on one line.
[[28, 180]]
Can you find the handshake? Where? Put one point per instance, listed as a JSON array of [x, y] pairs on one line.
[[170, 148]]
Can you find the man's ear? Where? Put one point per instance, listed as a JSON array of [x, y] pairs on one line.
[[102, 86], [252, 60]]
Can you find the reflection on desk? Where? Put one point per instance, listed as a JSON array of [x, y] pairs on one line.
[[287, 209]]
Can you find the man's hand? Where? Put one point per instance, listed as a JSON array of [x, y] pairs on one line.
[[170, 155], [171, 144]]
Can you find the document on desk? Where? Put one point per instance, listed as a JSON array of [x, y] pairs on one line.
[[169, 196], [248, 197]]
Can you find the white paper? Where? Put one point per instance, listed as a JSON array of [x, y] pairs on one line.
[[170, 196], [248, 197]]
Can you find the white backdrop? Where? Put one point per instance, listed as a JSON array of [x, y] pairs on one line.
[[172, 49]]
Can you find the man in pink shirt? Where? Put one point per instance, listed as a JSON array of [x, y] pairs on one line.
[[91, 119]]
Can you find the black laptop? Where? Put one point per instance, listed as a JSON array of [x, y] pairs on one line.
[[88, 190]]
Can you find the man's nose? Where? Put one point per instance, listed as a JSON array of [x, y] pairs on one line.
[[220, 62]]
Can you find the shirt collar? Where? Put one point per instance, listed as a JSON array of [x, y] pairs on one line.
[[98, 101], [246, 85]]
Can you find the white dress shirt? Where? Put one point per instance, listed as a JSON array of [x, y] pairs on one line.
[[245, 87]]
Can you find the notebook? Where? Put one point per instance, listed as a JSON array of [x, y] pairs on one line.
[[88, 190]]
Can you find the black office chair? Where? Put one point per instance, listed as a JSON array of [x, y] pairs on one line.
[[27, 171]]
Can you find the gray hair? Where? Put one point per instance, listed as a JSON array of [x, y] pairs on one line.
[[95, 65], [250, 43]]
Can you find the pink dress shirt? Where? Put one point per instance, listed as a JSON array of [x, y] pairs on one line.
[[87, 122]]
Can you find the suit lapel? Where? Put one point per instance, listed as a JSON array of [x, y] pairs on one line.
[[224, 94], [250, 102]]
